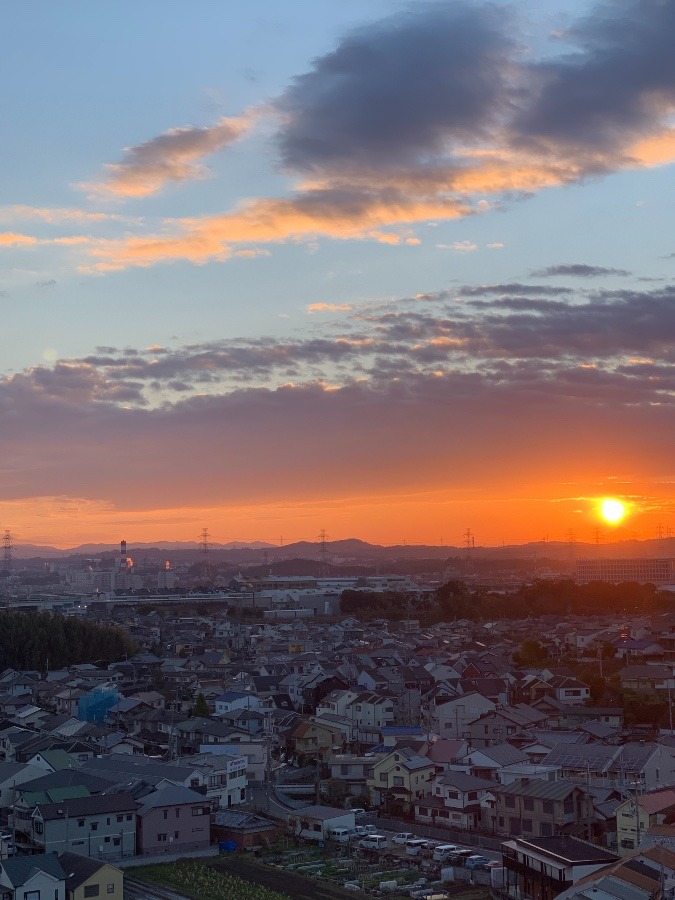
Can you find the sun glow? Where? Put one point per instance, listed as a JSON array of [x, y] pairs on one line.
[[612, 511]]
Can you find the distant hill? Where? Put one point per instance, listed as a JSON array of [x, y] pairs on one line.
[[354, 549]]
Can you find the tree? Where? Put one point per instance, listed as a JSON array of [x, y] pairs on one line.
[[531, 654], [201, 707]]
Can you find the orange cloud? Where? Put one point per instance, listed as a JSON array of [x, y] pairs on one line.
[[172, 156], [329, 307], [10, 239], [276, 220]]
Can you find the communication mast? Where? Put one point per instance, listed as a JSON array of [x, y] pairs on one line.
[[7, 547]]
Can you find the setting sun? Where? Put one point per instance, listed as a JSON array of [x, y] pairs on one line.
[[612, 511]]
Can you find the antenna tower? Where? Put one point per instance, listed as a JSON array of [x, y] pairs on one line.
[[571, 545], [7, 547]]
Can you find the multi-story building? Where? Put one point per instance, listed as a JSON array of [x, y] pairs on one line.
[[102, 826], [644, 570]]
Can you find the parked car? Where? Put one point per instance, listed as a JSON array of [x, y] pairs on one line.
[[342, 835], [458, 858], [365, 829], [413, 847], [443, 851], [477, 862], [403, 837], [374, 842], [358, 811]]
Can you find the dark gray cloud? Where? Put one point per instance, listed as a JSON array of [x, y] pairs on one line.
[[514, 288], [578, 270], [617, 84], [399, 89]]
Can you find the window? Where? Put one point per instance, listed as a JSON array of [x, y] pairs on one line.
[[528, 803], [107, 840], [116, 842], [344, 770], [176, 835], [32, 895], [39, 828], [94, 826], [91, 890], [110, 889], [161, 838], [197, 829], [197, 811], [545, 829], [178, 814], [472, 795], [166, 813], [383, 777], [510, 801], [120, 818], [398, 781], [547, 807], [527, 825], [128, 817], [80, 822]]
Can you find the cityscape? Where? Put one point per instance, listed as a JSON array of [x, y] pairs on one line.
[[336, 438]]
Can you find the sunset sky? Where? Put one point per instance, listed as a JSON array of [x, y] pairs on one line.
[[389, 270]]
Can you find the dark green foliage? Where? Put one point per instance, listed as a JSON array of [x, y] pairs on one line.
[[36, 640], [531, 654], [555, 597], [372, 605], [201, 707]]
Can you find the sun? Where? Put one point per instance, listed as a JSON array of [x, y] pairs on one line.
[[612, 511]]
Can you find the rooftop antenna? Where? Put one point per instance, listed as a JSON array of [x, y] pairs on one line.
[[7, 547]]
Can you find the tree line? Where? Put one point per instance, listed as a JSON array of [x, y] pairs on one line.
[[556, 597], [41, 641]]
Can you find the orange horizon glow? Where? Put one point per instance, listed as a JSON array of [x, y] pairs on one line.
[[427, 518]]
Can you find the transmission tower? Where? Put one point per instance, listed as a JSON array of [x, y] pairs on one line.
[[323, 552], [205, 546], [7, 547], [469, 544]]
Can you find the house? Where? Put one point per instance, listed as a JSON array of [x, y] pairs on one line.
[[173, 819], [635, 816], [646, 678], [536, 808], [462, 796], [312, 738], [315, 823], [546, 866], [247, 830], [87, 877], [400, 778], [635, 765], [32, 877], [450, 715], [501, 723], [102, 826], [353, 771]]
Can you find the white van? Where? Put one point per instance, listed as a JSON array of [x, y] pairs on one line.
[[342, 835], [374, 842]]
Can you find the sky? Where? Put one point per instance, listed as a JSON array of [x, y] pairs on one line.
[[384, 270]]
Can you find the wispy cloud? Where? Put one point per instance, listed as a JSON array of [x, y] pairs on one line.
[[579, 270], [329, 307]]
